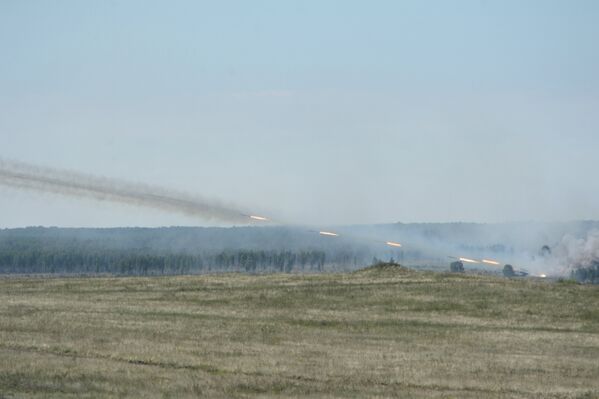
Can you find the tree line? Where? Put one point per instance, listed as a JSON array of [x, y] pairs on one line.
[[180, 250], [20, 261], [588, 274]]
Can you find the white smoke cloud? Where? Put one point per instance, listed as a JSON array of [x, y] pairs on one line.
[[574, 252]]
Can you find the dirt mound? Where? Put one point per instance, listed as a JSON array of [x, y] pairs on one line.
[[384, 267]]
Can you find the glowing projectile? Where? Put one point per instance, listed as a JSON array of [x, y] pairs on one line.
[[393, 244], [260, 218], [542, 275], [327, 233], [490, 262], [468, 260]]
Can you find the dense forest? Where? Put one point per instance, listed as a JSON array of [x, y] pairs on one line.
[[131, 263], [161, 251], [190, 250]]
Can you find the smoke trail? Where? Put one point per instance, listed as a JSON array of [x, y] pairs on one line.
[[26, 176]]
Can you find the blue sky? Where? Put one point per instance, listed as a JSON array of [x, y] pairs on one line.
[[313, 111]]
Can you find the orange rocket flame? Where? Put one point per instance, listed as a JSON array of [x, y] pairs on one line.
[[327, 233], [490, 262], [260, 218], [393, 244], [468, 260]]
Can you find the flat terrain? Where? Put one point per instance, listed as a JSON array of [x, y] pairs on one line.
[[384, 332]]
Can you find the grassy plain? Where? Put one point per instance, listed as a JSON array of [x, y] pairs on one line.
[[386, 332]]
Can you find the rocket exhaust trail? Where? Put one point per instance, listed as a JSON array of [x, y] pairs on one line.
[[328, 233], [258, 218], [393, 244], [25, 176], [490, 262]]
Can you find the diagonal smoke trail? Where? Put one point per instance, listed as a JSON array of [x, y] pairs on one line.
[[26, 176]]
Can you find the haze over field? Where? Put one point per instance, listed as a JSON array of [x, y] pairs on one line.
[[299, 199], [334, 113]]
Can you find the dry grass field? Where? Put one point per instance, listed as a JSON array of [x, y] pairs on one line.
[[377, 333]]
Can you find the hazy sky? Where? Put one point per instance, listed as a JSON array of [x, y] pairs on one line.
[[309, 111]]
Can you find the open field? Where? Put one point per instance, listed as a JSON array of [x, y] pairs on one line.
[[379, 333]]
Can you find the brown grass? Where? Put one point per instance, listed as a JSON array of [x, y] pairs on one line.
[[376, 333]]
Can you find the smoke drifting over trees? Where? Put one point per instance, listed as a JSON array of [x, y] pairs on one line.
[[542, 248], [137, 251], [180, 250], [581, 255], [579, 251]]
